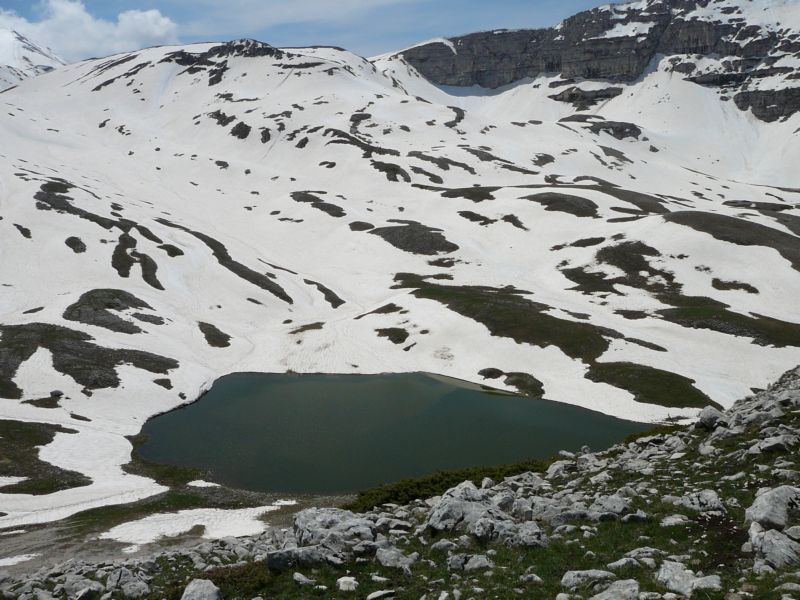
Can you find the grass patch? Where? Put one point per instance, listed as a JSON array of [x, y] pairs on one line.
[[19, 457], [106, 517], [506, 313], [713, 315], [408, 490], [651, 385], [697, 312], [397, 335]]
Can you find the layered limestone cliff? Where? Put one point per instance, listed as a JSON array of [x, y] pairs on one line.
[[751, 53]]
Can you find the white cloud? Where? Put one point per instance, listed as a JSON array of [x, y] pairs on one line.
[[71, 32]]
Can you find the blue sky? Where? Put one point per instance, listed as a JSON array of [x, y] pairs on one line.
[[79, 29]]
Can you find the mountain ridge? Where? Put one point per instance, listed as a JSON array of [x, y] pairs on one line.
[[21, 58]]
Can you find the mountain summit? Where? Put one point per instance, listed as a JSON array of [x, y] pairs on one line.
[[21, 58]]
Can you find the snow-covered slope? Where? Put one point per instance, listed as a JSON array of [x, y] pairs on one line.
[[178, 213], [21, 58]]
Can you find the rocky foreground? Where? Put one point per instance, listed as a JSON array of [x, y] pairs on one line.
[[707, 511]]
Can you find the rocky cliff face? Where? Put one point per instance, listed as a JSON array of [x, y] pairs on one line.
[[750, 51]]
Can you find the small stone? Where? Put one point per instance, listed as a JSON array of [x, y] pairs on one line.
[[677, 578], [530, 578], [380, 594], [346, 584], [301, 579], [478, 562], [622, 563], [674, 520], [443, 544]]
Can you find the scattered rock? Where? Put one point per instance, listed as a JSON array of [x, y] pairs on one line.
[[201, 589], [346, 584], [592, 579], [677, 578]]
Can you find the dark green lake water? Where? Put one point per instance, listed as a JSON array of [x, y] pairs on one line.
[[342, 433]]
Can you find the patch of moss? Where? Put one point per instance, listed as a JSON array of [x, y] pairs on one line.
[[396, 335], [106, 517], [19, 457], [715, 316], [507, 313], [648, 384]]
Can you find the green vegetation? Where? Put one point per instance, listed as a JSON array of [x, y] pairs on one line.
[[713, 315], [106, 517], [506, 313], [397, 335], [650, 385], [408, 490], [697, 312], [719, 284], [19, 457], [526, 384]]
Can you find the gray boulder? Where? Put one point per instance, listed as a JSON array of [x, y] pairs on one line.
[[288, 558], [773, 547], [677, 578], [75, 584], [394, 559], [627, 589], [319, 525], [775, 443], [592, 579], [772, 509], [346, 584], [469, 562], [381, 594], [702, 501], [443, 544], [527, 534], [614, 505], [478, 562], [135, 589], [201, 589], [710, 418], [466, 507]]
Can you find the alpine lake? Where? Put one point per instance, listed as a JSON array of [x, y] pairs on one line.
[[334, 434]]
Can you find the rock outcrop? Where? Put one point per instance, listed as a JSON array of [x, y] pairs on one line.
[[689, 512], [708, 42]]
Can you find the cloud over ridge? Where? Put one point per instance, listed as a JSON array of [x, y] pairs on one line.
[[74, 33]]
